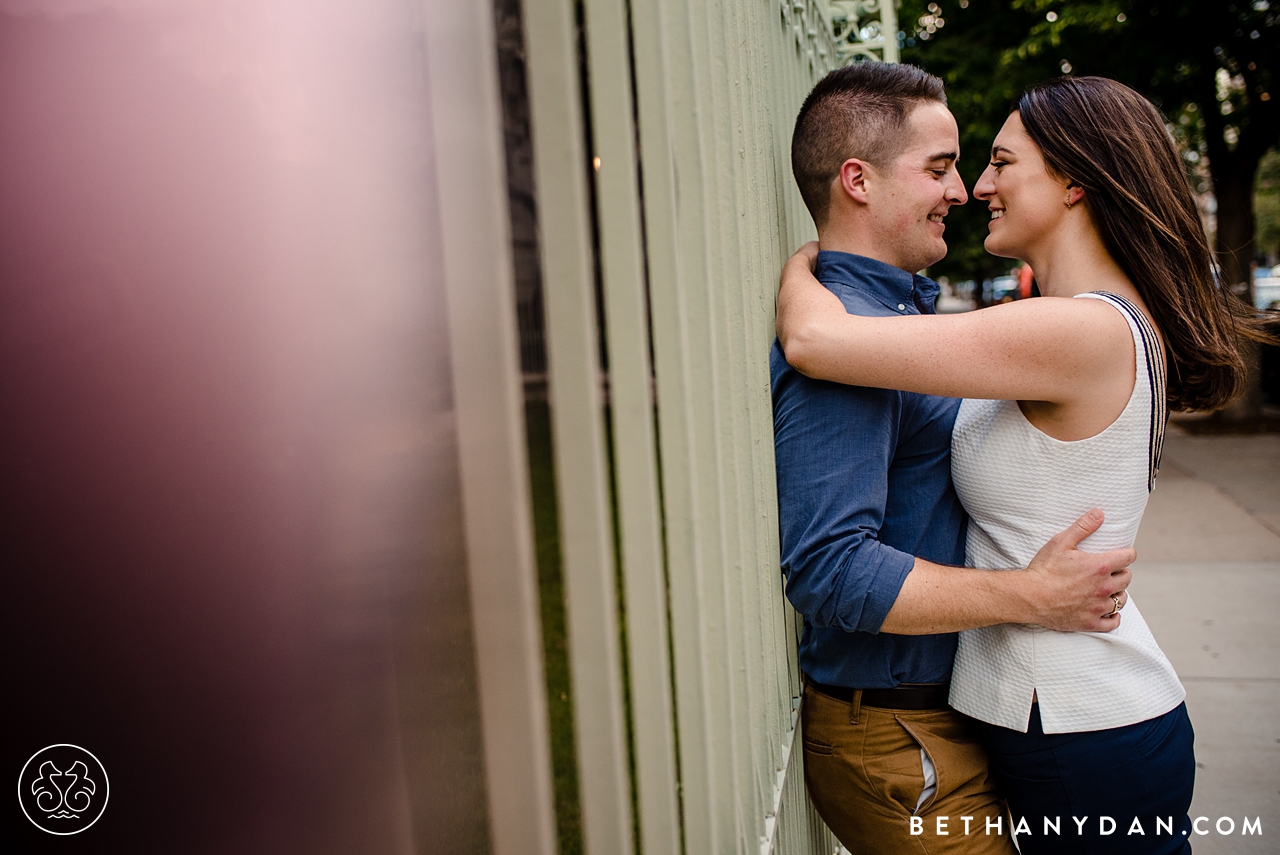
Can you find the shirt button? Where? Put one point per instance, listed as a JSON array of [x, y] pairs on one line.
[[902, 307]]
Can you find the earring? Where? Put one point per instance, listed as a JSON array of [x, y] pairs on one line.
[[1067, 202]]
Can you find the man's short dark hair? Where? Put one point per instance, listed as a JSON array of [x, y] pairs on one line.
[[857, 111]]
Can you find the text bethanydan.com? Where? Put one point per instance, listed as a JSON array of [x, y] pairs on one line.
[[1053, 826]]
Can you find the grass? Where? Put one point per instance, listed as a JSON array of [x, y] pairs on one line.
[[555, 650]]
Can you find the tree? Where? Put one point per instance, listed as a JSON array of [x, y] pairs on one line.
[[1266, 208], [967, 47], [1210, 65]]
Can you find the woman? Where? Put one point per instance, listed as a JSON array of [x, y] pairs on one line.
[[1066, 403]]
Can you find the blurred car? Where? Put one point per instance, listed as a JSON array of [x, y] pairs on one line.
[[1002, 288], [1266, 295], [1266, 292]]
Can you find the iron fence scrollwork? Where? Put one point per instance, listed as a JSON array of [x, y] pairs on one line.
[[833, 33]]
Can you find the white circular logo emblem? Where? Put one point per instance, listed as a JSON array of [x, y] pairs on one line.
[[63, 789]]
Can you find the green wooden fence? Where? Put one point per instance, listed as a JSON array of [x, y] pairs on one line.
[[676, 193]]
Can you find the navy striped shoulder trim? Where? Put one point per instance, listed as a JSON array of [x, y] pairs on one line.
[[1155, 376]]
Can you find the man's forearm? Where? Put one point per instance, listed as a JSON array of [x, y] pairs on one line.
[[1062, 588], [935, 599]]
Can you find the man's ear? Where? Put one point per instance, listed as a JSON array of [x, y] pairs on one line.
[[853, 180]]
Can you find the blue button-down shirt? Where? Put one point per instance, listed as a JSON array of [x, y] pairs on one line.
[[864, 486]]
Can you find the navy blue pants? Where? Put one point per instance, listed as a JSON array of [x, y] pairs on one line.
[[1117, 780]]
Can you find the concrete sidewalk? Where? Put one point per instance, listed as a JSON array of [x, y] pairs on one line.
[[1208, 582]]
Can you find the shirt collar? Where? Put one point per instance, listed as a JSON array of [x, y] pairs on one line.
[[890, 285]]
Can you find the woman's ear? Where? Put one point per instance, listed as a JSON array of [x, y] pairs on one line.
[[853, 180], [1074, 194]]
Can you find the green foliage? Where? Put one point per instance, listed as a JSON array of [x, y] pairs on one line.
[[1266, 208], [1209, 64], [555, 644], [972, 53], [1217, 55]]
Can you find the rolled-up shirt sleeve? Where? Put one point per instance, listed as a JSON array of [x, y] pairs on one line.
[[834, 447]]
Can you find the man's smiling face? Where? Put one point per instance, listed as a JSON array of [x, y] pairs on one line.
[[911, 196]]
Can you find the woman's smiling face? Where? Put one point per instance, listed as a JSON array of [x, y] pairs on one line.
[[1027, 202]]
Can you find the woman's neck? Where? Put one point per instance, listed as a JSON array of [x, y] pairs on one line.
[[1075, 262]]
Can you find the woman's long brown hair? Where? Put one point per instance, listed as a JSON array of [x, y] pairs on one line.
[[1111, 141]]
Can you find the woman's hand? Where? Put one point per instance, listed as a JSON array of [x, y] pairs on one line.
[[803, 304], [806, 254]]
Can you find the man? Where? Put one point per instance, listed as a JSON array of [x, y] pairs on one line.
[[872, 530]]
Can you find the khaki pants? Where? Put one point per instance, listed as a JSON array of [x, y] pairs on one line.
[[862, 767]]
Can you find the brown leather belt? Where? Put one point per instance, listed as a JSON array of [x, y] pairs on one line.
[[906, 696]]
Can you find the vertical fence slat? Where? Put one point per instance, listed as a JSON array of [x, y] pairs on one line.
[[759, 162], [889, 23], [715, 119], [700, 263], [738, 211], [786, 91], [635, 459], [467, 132], [712, 621], [574, 392], [747, 57], [657, 103]]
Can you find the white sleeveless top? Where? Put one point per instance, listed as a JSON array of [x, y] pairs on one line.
[[1021, 487]]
